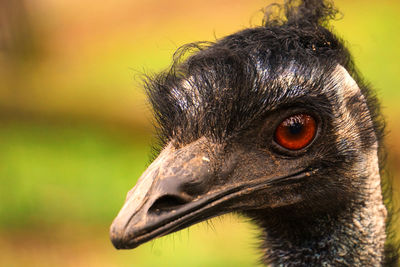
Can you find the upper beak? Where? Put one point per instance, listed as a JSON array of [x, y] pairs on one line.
[[174, 192], [183, 187]]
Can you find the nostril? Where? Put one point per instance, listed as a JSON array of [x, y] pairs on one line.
[[167, 203]]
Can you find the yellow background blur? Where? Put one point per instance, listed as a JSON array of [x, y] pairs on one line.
[[75, 127]]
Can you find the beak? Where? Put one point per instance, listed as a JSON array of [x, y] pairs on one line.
[[183, 187], [167, 198]]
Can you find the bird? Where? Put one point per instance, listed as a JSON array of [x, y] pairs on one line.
[[275, 123]]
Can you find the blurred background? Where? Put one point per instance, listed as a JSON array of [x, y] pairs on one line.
[[75, 127]]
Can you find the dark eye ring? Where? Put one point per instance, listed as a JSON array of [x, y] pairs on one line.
[[296, 132]]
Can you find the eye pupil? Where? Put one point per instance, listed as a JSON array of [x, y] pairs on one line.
[[295, 128], [296, 132]]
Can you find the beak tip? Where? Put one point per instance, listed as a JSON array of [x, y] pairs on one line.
[[120, 238], [116, 240], [117, 236]]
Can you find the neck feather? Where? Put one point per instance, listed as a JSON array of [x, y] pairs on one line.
[[354, 237]]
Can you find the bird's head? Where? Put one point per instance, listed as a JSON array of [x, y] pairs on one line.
[[269, 119]]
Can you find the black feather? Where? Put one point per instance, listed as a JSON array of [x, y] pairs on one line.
[[215, 89]]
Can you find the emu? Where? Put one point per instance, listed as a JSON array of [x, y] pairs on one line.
[[275, 123]]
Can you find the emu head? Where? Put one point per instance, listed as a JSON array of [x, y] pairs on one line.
[[269, 122]]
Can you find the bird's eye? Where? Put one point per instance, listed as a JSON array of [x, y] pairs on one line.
[[296, 132]]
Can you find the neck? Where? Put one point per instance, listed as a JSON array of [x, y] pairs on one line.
[[353, 237]]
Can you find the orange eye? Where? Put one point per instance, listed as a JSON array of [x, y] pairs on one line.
[[296, 132]]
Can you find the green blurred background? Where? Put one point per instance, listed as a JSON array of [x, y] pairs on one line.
[[75, 127]]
